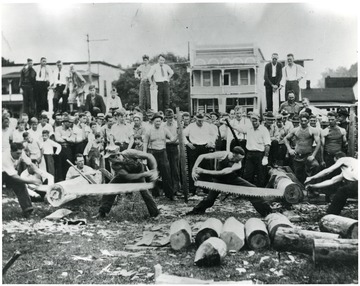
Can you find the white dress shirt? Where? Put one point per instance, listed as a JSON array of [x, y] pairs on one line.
[[292, 73], [60, 77], [156, 72], [199, 135]]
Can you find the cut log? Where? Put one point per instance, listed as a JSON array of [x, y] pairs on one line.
[[342, 250], [211, 252], [233, 234], [210, 228], [274, 221], [256, 234], [180, 234], [346, 227], [294, 239]]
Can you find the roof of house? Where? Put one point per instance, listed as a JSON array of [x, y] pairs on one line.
[[332, 82], [78, 63], [343, 94], [17, 74]]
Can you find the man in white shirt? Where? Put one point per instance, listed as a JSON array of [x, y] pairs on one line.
[[60, 85], [292, 75], [160, 75], [43, 81], [10, 164], [199, 139], [144, 90], [80, 165], [121, 132], [349, 176], [113, 101]]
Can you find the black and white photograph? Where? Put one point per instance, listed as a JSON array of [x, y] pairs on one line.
[[179, 143]]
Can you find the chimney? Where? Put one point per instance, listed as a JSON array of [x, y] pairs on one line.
[[308, 84]]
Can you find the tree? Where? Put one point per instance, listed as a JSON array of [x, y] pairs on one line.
[[6, 62], [339, 72], [128, 86]]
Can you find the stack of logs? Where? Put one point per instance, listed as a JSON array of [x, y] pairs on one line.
[[336, 240]]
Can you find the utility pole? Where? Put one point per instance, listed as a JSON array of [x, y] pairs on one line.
[[89, 60]]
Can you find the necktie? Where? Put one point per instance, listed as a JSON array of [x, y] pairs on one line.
[[40, 73], [59, 75], [162, 71]]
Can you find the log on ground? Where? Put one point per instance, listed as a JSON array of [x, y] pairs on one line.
[[295, 239], [256, 234], [210, 228], [180, 234], [335, 250], [233, 234], [346, 227], [274, 221], [211, 252]]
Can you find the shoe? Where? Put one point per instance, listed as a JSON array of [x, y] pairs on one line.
[[27, 213], [195, 212]]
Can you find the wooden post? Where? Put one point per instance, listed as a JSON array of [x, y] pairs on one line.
[[183, 158], [339, 250], [211, 252], [274, 221], [346, 227], [210, 228], [180, 234], [256, 234], [294, 239], [352, 127], [233, 234]]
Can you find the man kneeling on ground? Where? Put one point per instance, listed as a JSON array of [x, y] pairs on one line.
[[128, 168], [228, 163]]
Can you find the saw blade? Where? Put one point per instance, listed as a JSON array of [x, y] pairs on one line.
[[240, 190]]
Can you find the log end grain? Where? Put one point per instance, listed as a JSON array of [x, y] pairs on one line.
[[180, 240]]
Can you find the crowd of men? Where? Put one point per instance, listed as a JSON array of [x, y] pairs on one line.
[[135, 145]]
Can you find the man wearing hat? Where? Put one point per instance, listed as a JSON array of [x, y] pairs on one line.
[[128, 169], [141, 73], [286, 122], [65, 136], [290, 106], [122, 132], [113, 101], [278, 149], [199, 139], [228, 164], [343, 115], [172, 149], [258, 146], [269, 120], [155, 143], [138, 127], [272, 78]]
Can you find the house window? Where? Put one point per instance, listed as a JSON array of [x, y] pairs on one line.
[[234, 77], [244, 77], [5, 86], [205, 105], [196, 78], [15, 88], [206, 78], [247, 103], [226, 79], [216, 76], [252, 77]]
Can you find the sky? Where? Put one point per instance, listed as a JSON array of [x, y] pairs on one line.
[[326, 32]]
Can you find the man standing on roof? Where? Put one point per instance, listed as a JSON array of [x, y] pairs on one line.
[[144, 90], [27, 83], [272, 77]]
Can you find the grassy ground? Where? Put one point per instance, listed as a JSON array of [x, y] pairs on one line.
[[53, 252]]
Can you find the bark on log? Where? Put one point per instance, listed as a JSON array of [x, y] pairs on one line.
[[233, 234], [211, 252], [339, 250], [274, 221], [346, 227], [256, 234], [180, 234], [294, 239], [210, 228]]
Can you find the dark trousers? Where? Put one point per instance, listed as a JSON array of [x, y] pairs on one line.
[[254, 168], [294, 86], [20, 191], [328, 159], [144, 95], [108, 200], [192, 155], [65, 154], [41, 91], [28, 100], [172, 152], [164, 170], [258, 203], [58, 94], [163, 95], [277, 152], [350, 190], [50, 165], [269, 94], [304, 168]]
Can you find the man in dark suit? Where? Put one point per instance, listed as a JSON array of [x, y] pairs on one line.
[[272, 77], [94, 102]]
